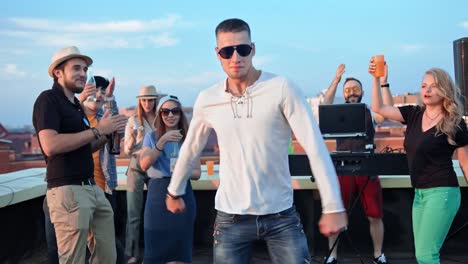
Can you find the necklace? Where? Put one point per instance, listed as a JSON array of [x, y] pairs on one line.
[[432, 118], [255, 77]]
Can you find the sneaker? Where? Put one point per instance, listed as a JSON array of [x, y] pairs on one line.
[[380, 259], [332, 260], [132, 260]]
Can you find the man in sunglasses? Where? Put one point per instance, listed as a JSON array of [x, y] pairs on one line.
[[253, 113], [370, 190]]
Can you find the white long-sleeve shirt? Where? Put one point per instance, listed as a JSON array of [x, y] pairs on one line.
[[253, 137]]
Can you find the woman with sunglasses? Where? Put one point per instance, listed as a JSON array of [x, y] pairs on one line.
[[168, 237], [137, 126], [434, 131]]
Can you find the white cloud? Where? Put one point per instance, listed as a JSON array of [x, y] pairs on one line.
[[18, 33], [58, 40], [305, 48], [99, 27], [411, 48], [203, 79], [94, 41], [163, 40], [464, 24], [11, 71], [260, 61], [125, 34], [7, 55], [20, 51], [106, 73]]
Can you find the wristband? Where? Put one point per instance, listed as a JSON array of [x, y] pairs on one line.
[[109, 99], [385, 85], [96, 133], [173, 197], [156, 147]]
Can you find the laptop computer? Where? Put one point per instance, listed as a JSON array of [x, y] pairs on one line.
[[342, 120]]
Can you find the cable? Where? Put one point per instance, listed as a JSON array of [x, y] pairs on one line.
[[333, 246], [12, 195], [456, 231], [346, 230], [453, 260], [13, 190], [388, 149]]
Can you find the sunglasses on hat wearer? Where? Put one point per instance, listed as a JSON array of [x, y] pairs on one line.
[[242, 49], [175, 111]]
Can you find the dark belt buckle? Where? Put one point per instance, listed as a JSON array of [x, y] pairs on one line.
[[87, 182]]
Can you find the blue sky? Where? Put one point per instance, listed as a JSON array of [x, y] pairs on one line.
[[171, 43]]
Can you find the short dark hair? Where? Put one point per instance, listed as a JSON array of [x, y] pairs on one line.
[[232, 25], [101, 82], [352, 79], [61, 67]]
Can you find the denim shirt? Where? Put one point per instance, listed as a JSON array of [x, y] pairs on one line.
[[108, 163]]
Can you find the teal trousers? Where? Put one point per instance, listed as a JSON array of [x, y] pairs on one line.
[[433, 212]]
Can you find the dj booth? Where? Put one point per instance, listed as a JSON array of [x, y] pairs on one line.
[[356, 163]]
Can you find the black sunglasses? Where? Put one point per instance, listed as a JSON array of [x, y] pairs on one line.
[[243, 50], [174, 111]]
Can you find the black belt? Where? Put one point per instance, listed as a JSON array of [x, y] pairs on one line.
[[89, 181], [62, 182]]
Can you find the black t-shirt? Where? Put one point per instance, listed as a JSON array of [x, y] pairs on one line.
[[358, 144], [53, 110], [430, 156]]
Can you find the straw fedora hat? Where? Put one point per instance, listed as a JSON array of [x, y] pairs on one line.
[[65, 54], [147, 92]]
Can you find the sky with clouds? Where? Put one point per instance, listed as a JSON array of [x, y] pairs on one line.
[[171, 43]]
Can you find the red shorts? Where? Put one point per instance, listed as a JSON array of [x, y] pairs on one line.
[[371, 198]]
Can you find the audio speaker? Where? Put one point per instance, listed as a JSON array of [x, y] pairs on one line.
[[460, 59]]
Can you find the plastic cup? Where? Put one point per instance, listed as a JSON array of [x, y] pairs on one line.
[[379, 61], [137, 127], [90, 79], [209, 167]]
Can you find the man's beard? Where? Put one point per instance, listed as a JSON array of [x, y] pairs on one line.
[[70, 85], [358, 100]]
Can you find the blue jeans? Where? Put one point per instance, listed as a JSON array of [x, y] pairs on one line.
[[282, 232], [135, 201]]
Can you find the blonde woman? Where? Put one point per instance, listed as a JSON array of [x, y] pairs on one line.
[[434, 131], [141, 123]]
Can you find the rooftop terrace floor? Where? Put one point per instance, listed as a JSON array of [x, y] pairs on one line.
[[260, 256]]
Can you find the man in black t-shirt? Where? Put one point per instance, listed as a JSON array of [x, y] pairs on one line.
[[371, 198], [77, 206]]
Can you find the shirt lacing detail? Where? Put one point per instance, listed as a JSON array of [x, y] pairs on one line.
[[241, 100]]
